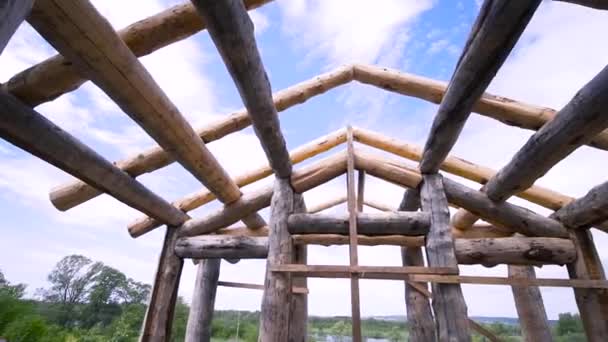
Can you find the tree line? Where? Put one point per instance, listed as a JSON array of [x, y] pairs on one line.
[[89, 301]]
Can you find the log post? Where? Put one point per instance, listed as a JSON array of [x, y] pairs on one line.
[[276, 301], [198, 328], [298, 316], [530, 307], [448, 302], [159, 316], [12, 14], [592, 303]]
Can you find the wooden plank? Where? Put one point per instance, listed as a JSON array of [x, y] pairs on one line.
[[276, 301], [371, 224], [299, 290], [29, 130], [592, 303], [574, 125], [483, 331], [55, 76], [304, 179], [503, 214], [195, 200], [352, 202], [493, 35], [12, 14], [198, 328], [231, 30], [364, 272], [159, 315], [77, 30], [530, 307], [448, 302], [587, 210], [542, 282]]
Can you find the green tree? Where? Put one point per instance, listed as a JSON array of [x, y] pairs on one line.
[[568, 323], [7, 288]]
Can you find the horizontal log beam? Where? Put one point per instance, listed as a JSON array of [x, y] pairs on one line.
[[195, 200], [231, 30], [302, 180], [371, 224], [295, 289], [587, 210], [29, 130], [493, 35], [505, 214], [479, 280], [488, 252], [363, 240], [328, 204], [12, 14]]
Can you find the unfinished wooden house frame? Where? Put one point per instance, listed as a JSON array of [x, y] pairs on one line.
[[90, 49]]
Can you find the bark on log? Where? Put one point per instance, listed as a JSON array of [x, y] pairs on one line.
[[515, 251], [504, 214], [582, 118], [200, 317], [333, 239], [530, 307], [221, 246], [55, 76], [587, 210], [27, 129], [204, 196], [495, 32], [12, 14], [592, 303], [159, 315], [302, 180], [448, 302], [79, 32], [419, 315], [276, 301], [372, 224], [231, 30]]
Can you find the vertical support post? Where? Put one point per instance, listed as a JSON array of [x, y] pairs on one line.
[[159, 315], [360, 190], [198, 328], [298, 329], [12, 14], [276, 301], [352, 231], [449, 306], [530, 307], [419, 314], [592, 303]]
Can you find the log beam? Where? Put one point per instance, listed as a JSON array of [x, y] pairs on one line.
[[231, 30], [587, 210], [326, 205], [371, 224], [493, 35], [222, 246], [302, 180], [530, 307], [448, 302], [12, 14], [29, 130], [159, 315], [198, 328], [195, 200]]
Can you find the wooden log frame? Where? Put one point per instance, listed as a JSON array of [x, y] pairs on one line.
[[198, 328], [302, 180], [448, 302], [371, 224], [503, 214], [29, 130], [12, 14], [298, 309], [195, 200], [587, 210], [573, 126], [159, 314], [231, 30], [530, 307], [494, 33], [299, 290], [486, 251], [327, 205]]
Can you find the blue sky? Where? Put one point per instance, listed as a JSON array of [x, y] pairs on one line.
[[298, 39]]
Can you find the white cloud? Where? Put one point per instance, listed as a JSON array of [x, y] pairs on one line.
[[339, 32]]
